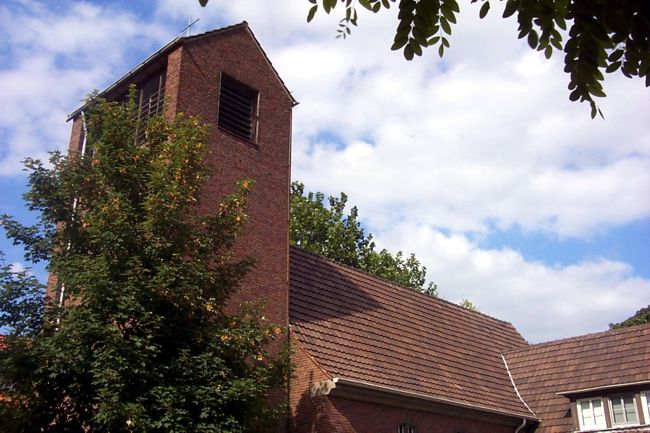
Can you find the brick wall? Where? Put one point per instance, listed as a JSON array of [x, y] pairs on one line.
[[307, 413], [194, 71], [362, 417]]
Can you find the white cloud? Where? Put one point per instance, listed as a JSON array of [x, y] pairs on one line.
[[543, 301], [53, 58]]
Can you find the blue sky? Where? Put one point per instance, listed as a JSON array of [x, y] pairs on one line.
[[509, 194]]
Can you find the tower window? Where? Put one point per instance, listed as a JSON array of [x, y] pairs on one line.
[[406, 428], [238, 109]]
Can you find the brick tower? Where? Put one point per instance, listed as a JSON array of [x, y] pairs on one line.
[[224, 77]]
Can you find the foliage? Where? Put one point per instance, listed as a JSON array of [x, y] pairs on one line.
[[327, 231], [143, 343], [639, 318], [21, 301], [601, 35], [466, 303]]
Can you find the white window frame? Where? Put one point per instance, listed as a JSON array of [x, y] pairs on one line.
[[645, 402], [611, 410], [596, 426]]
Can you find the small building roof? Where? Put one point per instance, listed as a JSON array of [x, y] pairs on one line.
[[363, 329], [549, 374]]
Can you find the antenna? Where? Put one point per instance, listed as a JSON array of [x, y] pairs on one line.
[[186, 30]]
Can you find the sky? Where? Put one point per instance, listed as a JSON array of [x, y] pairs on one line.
[[509, 194]]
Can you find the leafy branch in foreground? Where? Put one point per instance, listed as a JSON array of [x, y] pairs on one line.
[[601, 36], [143, 343]]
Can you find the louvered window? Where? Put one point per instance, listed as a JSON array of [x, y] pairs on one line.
[[151, 99], [238, 109], [406, 428]]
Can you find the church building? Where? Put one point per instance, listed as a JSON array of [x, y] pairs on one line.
[[371, 356]]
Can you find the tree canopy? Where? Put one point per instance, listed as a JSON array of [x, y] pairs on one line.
[[143, 343], [595, 36], [325, 229], [639, 318]]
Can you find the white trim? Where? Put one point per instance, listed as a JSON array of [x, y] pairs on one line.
[[595, 426], [603, 388], [645, 402]]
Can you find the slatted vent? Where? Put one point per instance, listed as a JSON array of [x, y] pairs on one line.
[[238, 108], [151, 101]]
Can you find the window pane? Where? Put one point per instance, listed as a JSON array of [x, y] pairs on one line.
[[630, 409], [623, 409]]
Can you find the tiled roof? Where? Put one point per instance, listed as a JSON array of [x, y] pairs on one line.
[[590, 361], [362, 328]]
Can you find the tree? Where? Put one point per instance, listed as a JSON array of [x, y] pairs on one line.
[[143, 343], [327, 231], [469, 305], [639, 318]]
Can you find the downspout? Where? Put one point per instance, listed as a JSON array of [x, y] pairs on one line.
[[514, 385], [523, 423], [75, 202]]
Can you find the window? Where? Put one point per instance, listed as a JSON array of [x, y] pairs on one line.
[[238, 109], [591, 414], [623, 409], [406, 428], [151, 99]]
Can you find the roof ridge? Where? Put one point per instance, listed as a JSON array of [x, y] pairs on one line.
[[587, 336], [410, 289]]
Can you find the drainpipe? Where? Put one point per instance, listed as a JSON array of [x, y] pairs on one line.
[[75, 202], [523, 423]]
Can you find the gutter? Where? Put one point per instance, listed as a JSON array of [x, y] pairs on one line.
[[604, 387], [337, 382]]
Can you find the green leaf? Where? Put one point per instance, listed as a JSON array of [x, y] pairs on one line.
[[597, 91], [399, 43], [408, 52], [203, 2], [448, 13], [613, 67], [615, 55], [533, 39], [441, 50], [417, 49], [548, 51], [366, 4], [484, 10], [445, 26], [511, 8], [312, 13], [575, 95]]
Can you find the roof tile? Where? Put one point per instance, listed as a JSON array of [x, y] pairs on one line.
[[364, 328]]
